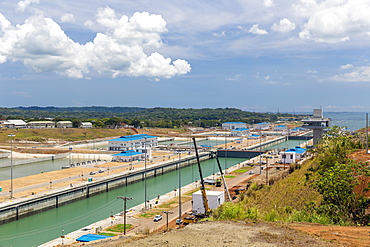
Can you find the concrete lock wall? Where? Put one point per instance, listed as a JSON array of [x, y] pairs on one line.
[[34, 160], [58, 199]]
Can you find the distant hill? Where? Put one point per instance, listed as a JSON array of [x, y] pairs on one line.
[[96, 112], [136, 115], [116, 109]]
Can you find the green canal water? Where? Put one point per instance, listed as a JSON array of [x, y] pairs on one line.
[[46, 226]]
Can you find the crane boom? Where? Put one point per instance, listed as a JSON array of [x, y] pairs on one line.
[[203, 188], [223, 179]]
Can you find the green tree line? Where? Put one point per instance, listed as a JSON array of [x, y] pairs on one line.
[[142, 117]]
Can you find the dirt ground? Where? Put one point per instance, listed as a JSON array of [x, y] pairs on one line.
[[224, 233], [231, 233], [345, 235]]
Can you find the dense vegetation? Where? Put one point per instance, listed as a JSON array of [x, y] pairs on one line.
[[329, 188], [142, 117]]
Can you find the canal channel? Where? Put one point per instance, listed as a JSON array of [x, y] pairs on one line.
[[43, 227]]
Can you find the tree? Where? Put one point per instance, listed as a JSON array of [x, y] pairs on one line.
[[337, 186], [334, 148], [339, 178]]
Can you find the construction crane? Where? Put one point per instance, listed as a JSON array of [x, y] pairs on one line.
[[223, 179], [207, 210]]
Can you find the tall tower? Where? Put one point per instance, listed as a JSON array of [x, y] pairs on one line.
[[317, 124]]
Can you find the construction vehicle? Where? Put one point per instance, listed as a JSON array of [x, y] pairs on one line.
[[189, 219], [218, 182]]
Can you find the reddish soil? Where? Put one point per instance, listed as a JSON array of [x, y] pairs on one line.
[[342, 235]]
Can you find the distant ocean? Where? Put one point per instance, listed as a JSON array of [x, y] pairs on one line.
[[352, 120]]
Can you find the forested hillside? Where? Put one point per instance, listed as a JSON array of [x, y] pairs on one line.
[[142, 117]]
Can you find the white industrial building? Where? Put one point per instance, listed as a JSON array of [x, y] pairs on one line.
[[281, 128], [233, 125], [64, 124], [86, 125], [291, 156], [262, 126], [128, 156], [15, 124], [41, 124], [215, 199], [133, 142], [239, 132]]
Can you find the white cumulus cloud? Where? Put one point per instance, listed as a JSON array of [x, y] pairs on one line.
[[268, 3], [356, 75], [22, 5], [284, 26], [255, 30], [347, 66], [334, 21], [67, 18], [118, 50]]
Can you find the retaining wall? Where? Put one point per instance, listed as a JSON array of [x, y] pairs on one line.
[[33, 206], [34, 160]]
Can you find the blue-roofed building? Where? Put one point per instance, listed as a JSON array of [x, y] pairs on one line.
[[128, 156], [262, 126], [133, 142], [282, 128], [254, 136], [292, 155], [233, 125], [239, 132], [296, 129]]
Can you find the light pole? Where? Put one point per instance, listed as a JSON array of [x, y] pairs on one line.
[[70, 149], [131, 155], [11, 164], [62, 236], [225, 155], [260, 153], [124, 211]]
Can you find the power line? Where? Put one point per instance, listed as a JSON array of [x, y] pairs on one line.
[[125, 199], [65, 223]]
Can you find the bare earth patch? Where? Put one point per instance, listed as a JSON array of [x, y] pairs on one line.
[[353, 236], [225, 233]]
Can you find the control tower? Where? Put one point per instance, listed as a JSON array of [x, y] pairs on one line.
[[317, 124]]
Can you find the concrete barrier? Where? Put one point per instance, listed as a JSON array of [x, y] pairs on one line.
[[36, 205]]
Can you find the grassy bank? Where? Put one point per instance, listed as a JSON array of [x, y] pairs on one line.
[[290, 199]]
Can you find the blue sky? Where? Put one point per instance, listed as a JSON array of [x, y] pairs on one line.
[[257, 55]]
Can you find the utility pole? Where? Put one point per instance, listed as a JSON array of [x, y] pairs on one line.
[[145, 196], [179, 170], [70, 149], [260, 153], [267, 173], [11, 164], [367, 133], [125, 199], [167, 212]]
